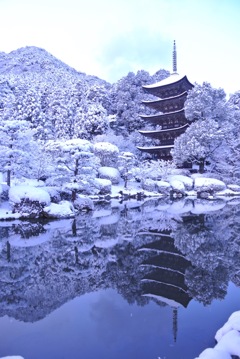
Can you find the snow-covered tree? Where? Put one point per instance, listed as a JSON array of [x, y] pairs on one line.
[[126, 163], [91, 122], [74, 158], [198, 143], [227, 157], [107, 153], [205, 102], [211, 115], [17, 148], [126, 100]]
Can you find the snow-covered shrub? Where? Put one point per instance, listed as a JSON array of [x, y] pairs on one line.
[[163, 187], [19, 193], [4, 192], [64, 209], [149, 185], [83, 203], [203, 184], [54, 194], [107, 153], [28, 201], [109, 173], [187, 181], [177, 186], [102, 186], [155, 170], [124, 144], [234, 187]]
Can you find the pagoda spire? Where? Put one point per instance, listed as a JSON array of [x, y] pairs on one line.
[[174, 57]]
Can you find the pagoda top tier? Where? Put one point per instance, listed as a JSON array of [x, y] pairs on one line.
[[173, 85]]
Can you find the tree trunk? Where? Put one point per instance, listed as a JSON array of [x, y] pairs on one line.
[[201, 166], [76, 167], [9, 177]]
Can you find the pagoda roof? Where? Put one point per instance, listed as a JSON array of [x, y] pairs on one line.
[[157, 132], [170, 302], [154, 149], [162, 115], [174, 81]]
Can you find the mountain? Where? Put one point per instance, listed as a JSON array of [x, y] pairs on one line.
[[32, 59]]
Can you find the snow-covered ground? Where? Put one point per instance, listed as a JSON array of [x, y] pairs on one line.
[[23, 196]]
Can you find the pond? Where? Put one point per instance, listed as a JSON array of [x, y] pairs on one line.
[[151, 280]]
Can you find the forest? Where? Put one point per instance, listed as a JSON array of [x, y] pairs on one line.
[[63, 126]]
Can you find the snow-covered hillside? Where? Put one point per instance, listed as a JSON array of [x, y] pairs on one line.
[[32, 59]]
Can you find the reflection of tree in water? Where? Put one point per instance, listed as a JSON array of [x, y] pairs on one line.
[[204, 286], [117, 251], [211, 242]]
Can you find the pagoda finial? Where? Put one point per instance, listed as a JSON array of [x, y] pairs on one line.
[[174, 57]]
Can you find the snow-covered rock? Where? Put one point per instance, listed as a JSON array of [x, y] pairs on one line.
[[212, 353], [233, 323], [12, 357], [203, 184], [109, 173], [64, 209], [230, 343], [228, 340]]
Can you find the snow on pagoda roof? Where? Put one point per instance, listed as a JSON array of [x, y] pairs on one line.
[[155, 147], [174, 77], [162, 114], [170, 302], [163, 99], [165, 130]]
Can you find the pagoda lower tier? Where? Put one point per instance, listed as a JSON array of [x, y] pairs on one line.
[[167, 120], [169, 104], [166, 136], [164, 270], [159, 152]]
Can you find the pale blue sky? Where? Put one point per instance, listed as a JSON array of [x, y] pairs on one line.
[[109, 38]]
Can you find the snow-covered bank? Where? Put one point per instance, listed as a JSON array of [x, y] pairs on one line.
[[228, 340], [39, 201]]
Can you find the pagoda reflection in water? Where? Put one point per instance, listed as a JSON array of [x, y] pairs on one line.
[[165, 268]]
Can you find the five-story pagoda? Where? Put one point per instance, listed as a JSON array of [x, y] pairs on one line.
[[171, 121]]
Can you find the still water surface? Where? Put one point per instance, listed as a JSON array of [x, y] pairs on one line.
[[134, 281]]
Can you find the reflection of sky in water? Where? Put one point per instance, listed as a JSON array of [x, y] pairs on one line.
[[103, 325]]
